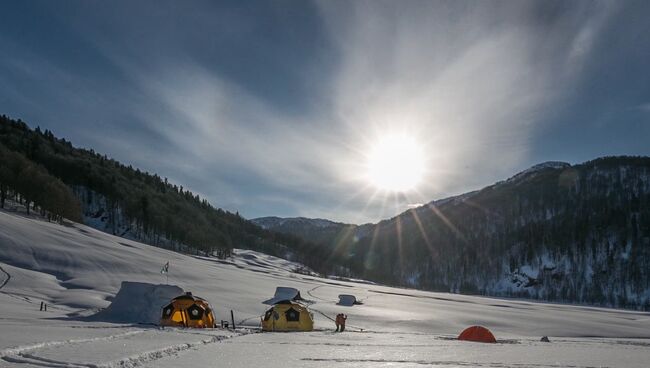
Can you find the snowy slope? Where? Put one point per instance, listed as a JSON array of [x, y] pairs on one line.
[[78, 270]]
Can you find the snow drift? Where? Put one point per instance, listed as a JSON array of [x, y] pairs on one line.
[[348, 300], [138, 302]]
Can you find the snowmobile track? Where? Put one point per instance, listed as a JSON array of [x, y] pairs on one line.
[[7, 278]]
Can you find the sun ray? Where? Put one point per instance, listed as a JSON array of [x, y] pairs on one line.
[[446, 221], [372, 244], [400, 250], [425, 237]]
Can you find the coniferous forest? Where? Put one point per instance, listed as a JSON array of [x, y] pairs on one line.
[[50, 175], [560, 232]]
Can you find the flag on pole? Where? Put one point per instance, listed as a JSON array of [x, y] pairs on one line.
[[165, 268]]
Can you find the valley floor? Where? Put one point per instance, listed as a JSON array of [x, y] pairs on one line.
[[78, 270], [39, 339]]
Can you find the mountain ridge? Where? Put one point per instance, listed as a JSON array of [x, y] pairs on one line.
[[558, 232], [277, 221]]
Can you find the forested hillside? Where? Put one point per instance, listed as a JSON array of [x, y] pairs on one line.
[[555, 232], [29, 184], [145, 205]]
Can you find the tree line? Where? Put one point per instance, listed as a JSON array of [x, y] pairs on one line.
[[31, 185], [153, 207]]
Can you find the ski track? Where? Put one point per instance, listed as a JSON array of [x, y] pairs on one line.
[[447, 363], [49, 344], [26, 354], [7, 278], [153, 355], [314, 296]]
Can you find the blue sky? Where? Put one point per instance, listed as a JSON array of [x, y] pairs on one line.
[[269, 108]]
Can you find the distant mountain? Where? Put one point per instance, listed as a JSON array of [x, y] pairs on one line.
[[279, 222], [554, 232], [320, 231]]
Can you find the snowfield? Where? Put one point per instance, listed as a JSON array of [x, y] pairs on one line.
[[78, 271]]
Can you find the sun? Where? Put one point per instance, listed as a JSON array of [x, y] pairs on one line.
[[395, 163]]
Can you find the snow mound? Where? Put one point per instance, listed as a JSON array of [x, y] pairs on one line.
[[138, 302], [282, 294], [347, 300]]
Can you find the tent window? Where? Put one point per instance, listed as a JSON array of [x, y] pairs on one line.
[[167, 311], [195, 312], [268, 314], [292, 315]]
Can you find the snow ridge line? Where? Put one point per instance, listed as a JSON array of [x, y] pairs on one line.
[[6, 279], [21, 350], [153, 355]]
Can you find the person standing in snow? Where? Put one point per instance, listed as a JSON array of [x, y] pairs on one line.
[[340, 322]]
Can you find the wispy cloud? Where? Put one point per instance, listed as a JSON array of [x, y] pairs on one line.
[[471, 81]]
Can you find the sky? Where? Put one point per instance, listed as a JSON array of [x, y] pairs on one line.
[[271, 108]]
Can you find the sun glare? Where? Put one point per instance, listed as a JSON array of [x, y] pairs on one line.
[[395, 163]]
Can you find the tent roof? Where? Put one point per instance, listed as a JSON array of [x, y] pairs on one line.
[[283, 294], [477, 334], [188, 296]]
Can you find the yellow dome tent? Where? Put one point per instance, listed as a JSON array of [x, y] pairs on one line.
[[187, 311], [288, 316]]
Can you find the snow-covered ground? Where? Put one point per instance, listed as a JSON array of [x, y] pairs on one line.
[[77, 270]]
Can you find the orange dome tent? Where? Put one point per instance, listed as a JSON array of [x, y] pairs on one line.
[[477, 334], [187, 310]]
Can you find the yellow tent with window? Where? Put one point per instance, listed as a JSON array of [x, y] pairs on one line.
[[288, 316], [187, 311]]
